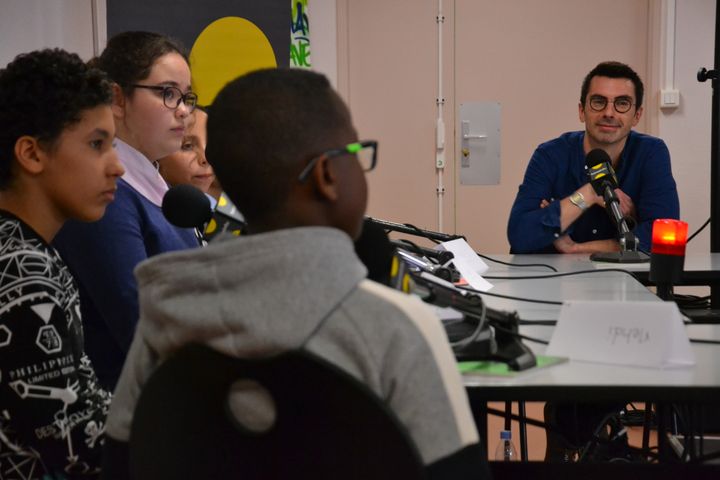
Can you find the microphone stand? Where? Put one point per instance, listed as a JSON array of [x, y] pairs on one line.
[[419, 232], [702, 76], [628, 241], [501, 345]]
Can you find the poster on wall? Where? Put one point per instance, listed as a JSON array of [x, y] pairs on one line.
[[225, 38], [300, 35]]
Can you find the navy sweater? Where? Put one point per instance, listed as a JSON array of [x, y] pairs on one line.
[[557, 169], [102, 256]]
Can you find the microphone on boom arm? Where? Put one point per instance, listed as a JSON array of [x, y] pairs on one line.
[[187, 207], [602, 178], [412, 230], [471, 338], [406, 248]]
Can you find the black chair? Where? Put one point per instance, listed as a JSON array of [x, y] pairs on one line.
[[326, 424]]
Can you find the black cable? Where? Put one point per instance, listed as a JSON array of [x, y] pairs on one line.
[[510, 297], [691, 298], [692, 301], [519, 335], [635, 417], [516, 264], [472, 338], [563, 274], [542, 323], [699, 230], [595, 438], [702, 340]]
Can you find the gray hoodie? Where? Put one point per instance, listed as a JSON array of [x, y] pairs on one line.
[[262, 294]]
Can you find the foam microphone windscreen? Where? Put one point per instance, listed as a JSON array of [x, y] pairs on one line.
[[600, 172], [186, 207], [596, 157], [375, 251]]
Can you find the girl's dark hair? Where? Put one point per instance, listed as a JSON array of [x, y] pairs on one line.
[[41, 94], [129, 56]]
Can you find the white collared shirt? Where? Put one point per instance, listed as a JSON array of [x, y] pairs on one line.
[[140, 173]]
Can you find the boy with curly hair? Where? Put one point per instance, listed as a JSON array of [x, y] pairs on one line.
[[57, 162]]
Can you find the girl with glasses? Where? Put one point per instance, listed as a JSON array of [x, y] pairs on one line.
[[152, 103]]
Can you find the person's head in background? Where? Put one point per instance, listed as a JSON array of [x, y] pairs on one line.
[[267, 128], [189, 165], [56, 132], [611, 100], [152, 99]]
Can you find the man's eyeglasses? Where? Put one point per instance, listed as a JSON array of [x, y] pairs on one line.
[[365, 151], [621, 104], [172, 96]]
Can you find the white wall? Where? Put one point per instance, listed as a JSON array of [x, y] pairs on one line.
[[30, 24], [387, 71], [27, 25], [323, 38], [687, 130]]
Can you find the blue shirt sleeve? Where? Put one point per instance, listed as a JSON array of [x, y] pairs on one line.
[[531, 228]]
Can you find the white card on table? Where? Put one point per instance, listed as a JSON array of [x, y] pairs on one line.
[[646, 334]]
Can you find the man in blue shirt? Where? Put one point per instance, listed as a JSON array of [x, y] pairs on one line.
[[557, 211], [556, 208]]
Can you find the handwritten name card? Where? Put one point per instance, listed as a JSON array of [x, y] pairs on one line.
[[646, 334]]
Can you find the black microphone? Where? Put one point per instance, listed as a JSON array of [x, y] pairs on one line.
[[186, 207], [375, 251], [412, 230], [602, 178]]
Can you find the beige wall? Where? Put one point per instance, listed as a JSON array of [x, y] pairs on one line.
[[687, 130], [27, 25], [389, 77], [531, 57]]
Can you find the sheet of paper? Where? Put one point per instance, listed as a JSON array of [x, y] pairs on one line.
[[466, 261]]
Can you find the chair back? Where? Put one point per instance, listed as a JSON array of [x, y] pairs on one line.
[[324, 423]]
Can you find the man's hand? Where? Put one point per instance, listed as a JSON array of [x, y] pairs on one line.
[[565, 244], [627, 207]]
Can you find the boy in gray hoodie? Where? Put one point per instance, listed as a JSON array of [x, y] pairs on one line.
[[283, 145]]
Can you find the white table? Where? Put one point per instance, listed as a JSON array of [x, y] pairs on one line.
[[583, 381]]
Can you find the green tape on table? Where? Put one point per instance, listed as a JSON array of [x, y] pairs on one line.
[[502, 369]]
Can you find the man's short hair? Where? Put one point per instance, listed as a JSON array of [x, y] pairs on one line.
[[41, 94], [264, 127], [614, 70]]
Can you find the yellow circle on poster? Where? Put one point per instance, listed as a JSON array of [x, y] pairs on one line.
[[224, 50]]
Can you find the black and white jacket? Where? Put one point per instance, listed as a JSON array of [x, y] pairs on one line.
[[52, 412]]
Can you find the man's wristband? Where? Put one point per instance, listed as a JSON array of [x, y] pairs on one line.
[[578, 200]]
